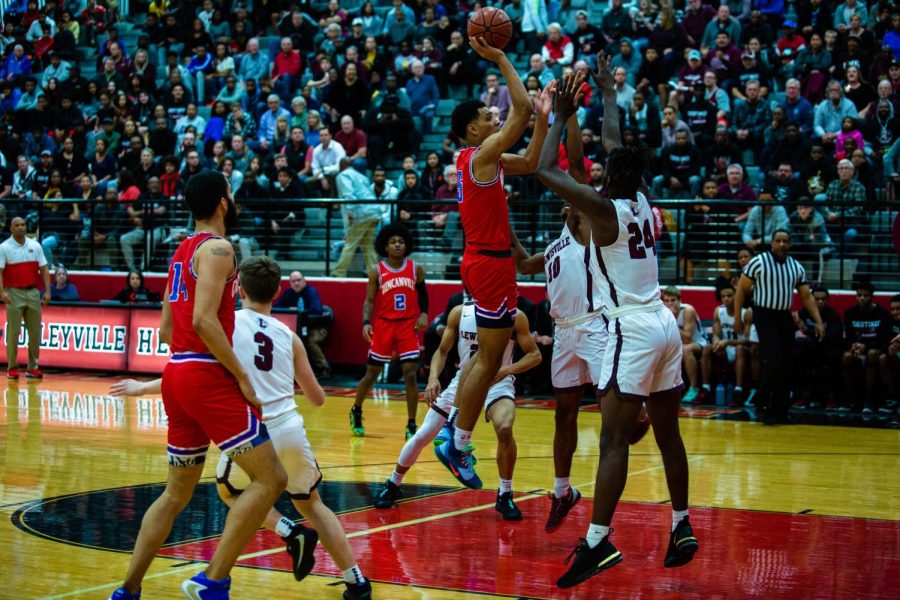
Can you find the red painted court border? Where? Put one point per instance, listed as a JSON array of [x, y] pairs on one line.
[[743, 553]]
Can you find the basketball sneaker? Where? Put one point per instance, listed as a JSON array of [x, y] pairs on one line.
[[301, 546], [682, 545], [589, 561], [690, 397], [507, 508], [34, 374], [446, 433], [199, 587], [12, 373], [356, 421], [388, 496], [411, 428], [358, 591], [123, 594], [559, 509], [460, 463], [640, 430]]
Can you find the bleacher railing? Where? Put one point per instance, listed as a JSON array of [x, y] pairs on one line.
[[698, 243]]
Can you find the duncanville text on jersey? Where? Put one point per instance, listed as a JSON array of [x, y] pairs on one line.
[[397, 282]]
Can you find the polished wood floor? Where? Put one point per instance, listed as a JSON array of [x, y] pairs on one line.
[[792, 511]]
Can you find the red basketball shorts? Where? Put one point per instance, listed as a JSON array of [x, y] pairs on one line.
[[491, 281], [389, 337], [204, 402]]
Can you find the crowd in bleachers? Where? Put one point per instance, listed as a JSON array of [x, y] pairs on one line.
[[790, 102]]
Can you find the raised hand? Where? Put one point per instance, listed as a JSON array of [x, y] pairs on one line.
[[544, 101], [603, 76], [485, 51], [567, 94]]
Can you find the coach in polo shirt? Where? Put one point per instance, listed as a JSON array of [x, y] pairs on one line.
[[774, 275], [23, 268]]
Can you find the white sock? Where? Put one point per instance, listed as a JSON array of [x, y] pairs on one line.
[[560, 486], [595, 534], [397, 478], [451, 420], [461, 439], [353, 575], [677, 516], [505, 486], [706, 387], [284, 527]]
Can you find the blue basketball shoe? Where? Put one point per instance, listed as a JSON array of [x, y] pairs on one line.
[[199, 587], [460, 463], [445, 434], [123, 594]]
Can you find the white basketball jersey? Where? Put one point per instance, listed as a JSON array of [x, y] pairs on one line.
[[467, 340], [698, 326], [628, 265], [573, 277], [727, 322], [265, 346]]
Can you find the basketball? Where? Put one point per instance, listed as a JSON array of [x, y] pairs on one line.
[[493, 25]]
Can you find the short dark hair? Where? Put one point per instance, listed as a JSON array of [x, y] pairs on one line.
[[895, 298], [865, 285], [203, 193], [463, 114], [672, 291], [786, 232], [625, 166], [389, 231], [821, 289], [260, 277]]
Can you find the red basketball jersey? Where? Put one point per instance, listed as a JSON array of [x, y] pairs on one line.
[[482, 207], [397, 298], [182, 283]]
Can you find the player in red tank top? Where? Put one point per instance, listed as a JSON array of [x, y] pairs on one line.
[[487, 268], [396, 292], [207, 395]]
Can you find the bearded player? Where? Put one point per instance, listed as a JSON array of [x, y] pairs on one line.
[[488, 271]]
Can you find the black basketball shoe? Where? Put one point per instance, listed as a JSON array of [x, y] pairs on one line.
[[388, 495], [301, 545], [589, 561], [507, 508], [682, 545]]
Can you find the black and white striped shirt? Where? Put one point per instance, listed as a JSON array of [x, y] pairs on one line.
[[774, 282]]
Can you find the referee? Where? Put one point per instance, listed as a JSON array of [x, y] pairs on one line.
[[773, 275]]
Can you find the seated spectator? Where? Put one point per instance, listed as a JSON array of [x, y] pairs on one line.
[[63, 290], [304, 297], [735, 188], [793, 149], [135, 292], [812, 66], [680, 169], [727, 349], [797, 108], [651, 77], [326, 159], [818, 171], [644, 119], [354, 143], [629, 59], [716, 95], [624, 92], [763, 221], [391, 129], [818, 362], [423, 95], [700, 115], [851, 194], [723, 22], [496, 95], [692, 339], [411, 192], [432, 177], [882, 127], [461, 67], [783, 186], [558, 51], [60, 228], [348, 95], [849, 130], [539, 69], [831, 112], [750, 118], [722, 153], [867, 330], [671, 125], [808, 234]]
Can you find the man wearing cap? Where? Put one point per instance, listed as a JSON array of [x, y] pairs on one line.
[[723, 22], [357, 37], [42, 173], [588, 39], [58, 69], [790, 39], [749, 70]]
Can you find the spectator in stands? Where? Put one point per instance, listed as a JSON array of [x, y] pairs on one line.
[[423, 95], [809, 233], [534, 25], [700, 115], [390, 128], [558, 51], [444, 222], [326, 159], [539, 69], [867, 331], [349, 95], [17, 66], [763, 221], [135, 292], [794, 148], [797, 108], [267, 123], [830, 112], [644, 119], [818, 360], [302, 296], [63, 290], [629, 59], [408, 196], [360, 220], [723, 22], [692, 338], [587, 38], [783, 186], [287, 68], [432, 176], [671, 125], [624, 92], [849, 193], [697, 16], [680, 169], [812, 65], [892, 171], [616, 24], [496, 95], [254, 64], [722, 153], [382, 189], [735, 188], [750, 118]]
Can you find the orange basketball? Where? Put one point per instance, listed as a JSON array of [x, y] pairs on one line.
[[493, 25]]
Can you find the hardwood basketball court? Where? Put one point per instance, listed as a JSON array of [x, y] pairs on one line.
[[781, 512]]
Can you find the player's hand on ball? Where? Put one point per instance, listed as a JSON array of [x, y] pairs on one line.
[[482, 49], [432, 391], [367, 332], [126, 387]]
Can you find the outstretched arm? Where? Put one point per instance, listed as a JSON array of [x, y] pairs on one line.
[[526, 264], [575, 150], [603, 79], [599, 210], [513, 164]]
